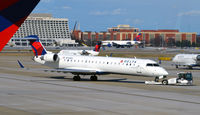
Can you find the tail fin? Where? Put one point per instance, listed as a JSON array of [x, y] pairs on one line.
[[97, 47], [37, 47], [138, 37], [12, 15]]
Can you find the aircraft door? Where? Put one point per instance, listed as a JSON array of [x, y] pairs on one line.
[[139, 69]]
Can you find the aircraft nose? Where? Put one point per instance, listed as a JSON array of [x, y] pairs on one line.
[[164, 72]]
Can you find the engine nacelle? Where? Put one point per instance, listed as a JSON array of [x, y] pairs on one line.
[[50, 57], [198, 58]]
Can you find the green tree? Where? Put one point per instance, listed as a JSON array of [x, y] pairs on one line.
[[178, 44]]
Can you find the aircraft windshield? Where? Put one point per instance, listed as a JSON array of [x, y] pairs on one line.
[[153, 65]]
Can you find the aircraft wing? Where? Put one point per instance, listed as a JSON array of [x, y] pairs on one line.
[[71, 70], [77, 71]]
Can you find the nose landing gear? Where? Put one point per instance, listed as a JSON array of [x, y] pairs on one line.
[[158, 78]]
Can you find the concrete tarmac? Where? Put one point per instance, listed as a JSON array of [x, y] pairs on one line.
[[31, 92]]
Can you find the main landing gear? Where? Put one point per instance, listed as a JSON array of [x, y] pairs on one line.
[[78, 78], [93, 78]]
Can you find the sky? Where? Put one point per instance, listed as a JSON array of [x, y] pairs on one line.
[[98, 15]]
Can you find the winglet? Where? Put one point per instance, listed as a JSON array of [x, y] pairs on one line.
[[20, 64]]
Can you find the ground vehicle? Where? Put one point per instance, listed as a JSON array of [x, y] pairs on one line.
[[184, 78]]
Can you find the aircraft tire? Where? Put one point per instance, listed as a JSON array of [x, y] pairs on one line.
[[76, 78], [165, 82], [176, 66], [156, 79], [93, 78], [190, 67]]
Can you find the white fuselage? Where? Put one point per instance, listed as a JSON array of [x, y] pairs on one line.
[[127, 42], [79, 52], [187, 59], [107, 65]]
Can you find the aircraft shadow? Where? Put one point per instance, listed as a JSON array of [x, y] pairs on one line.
[[123, 80], [188, 68]]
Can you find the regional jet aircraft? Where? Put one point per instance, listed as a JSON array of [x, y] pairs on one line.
[[93, 52], [94, 65], [189, 60], [12, 15], [122, 44]]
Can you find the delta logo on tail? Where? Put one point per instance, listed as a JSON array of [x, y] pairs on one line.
[[138, 37], [12, 14], [37, 47], [97, 47]]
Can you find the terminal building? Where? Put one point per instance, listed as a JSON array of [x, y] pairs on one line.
[[150, 37], [51, 31]]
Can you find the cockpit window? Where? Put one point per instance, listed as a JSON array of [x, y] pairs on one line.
[[149, 64], [153, 64]]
